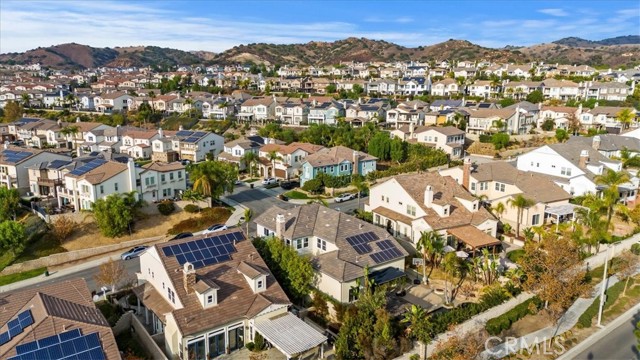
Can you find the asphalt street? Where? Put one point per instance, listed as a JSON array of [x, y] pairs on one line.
[[619, 344]]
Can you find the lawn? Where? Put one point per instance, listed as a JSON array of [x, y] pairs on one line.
[[8, 279], [298, 195], [515, 255]]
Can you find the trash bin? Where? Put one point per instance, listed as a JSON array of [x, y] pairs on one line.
[[251, 185], [46, 273]]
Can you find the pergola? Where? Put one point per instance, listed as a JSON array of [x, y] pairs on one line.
[[290, 335], [562, 213], [473, 237]]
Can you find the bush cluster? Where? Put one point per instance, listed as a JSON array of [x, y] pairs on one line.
[[208, 217], [635, 249], [503, 322], [166, 208], [191, 208], [613, 293]]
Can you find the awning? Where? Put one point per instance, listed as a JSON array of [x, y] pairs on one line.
[[473, 237], [562, 210], [290, 334], [385, 275]]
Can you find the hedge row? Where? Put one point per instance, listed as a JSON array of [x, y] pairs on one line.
[[613, 293], [503, 322]]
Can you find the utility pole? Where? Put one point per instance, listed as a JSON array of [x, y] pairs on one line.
[[603, 287]]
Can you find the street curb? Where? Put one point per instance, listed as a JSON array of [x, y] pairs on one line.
[[598, 335]]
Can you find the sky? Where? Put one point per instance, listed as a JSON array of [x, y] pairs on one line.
[[220, 25]]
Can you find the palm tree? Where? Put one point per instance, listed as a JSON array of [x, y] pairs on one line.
[[192, 196], [528, 234], [625, 117], [520, 202], [540, 231], [499, 209], [249, 158], [213, 178], [272, 156], [450, 266], [611, 179], [418, 327], [26, 100], [431, 243], [70, 131], [189, 101]]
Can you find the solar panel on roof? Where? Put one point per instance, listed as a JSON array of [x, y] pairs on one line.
[[70, 345], [207, 251], [191, 139], [199, 133], [16, 326], [88, 167]]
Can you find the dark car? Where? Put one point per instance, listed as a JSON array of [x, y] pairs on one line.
[[182, 236], [283, 197], [288, 185]]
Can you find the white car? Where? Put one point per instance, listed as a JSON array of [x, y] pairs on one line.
[[345, 197], [269, 181], [215, 228]]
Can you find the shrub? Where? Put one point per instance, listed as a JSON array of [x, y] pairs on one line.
[[258, 342], [313, 186], [166, 208], [250, 346], [191, 208], [207, 217], [503, 322], [500, 140], [484, 138], [635, 249], [414, 357]]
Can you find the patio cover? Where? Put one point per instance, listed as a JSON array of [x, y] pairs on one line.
[[386, 275], [290, 334], [562, 210], [473, 237]]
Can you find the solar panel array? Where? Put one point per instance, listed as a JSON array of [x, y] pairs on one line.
[[184, 133], [16, 326], [388, 251], [360, 242], [56, 164], [69, 345], [88, 167], [207, 251], [14, 156], [191, 139]]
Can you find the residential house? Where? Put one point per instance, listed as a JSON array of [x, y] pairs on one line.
[[563, 116], [45, 177], [160, 181], [196, 145], [137, 143], [209, 295], [258, 109], [520, 89], [409, 204], [500, 182], [448, 138], [219, 108], [162, 150], [409, 112], [573, 166], [16, 161], [292, 112], [560, 89], [606, 117], [337, 161], [611, 91], [234, 150], [482, 88], [325, 112], [341, 246], [45, 322], [114, 101], [94, 180], [289, 159], [446, 87], [513, 121], [611, 145], [440, 104]]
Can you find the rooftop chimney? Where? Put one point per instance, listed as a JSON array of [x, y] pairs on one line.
[[584, 158], [160, 132], [356, 162], [428, 196], [466, 173], [189, 277], [411, 130], [280, 226], [595, 143]]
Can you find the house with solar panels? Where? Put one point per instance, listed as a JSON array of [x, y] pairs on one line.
[[57, 321], [211, 294], [341, 246], [45, 177], [15, 162], [195, 145], [137, 143]]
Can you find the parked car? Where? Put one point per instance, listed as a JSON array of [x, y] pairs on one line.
[[269, 181], [345, 197], [283, 197], [133, 253], [215, 228], [288, 185], [182, 236]]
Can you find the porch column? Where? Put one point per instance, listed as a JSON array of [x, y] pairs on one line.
[[322, 351], [138, 308], [146, 316]]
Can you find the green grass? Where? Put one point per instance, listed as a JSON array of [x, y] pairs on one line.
[[142, 162], [515, 255], [6, 259], [298, 195], [9, 279]]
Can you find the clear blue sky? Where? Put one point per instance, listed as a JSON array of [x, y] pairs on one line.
[[219, 25]]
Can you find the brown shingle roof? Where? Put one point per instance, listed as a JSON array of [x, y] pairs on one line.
[[473, 237], [162, 166], [103, 172], [336, 155]]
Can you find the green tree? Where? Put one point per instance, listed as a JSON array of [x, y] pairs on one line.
[[12, 236], [26, 100], [500, 140], [431, 244], [548, 124], [249, 159], [273, 156], [12, 111], [360, 183], [70, 131], [562, 135], [418, 327], [398, 150], [331, 89], [192, 196], [116, 213], [213, 178], [535, 97], [499, 209], [380, 146], [357, 89], [248, 214], [9, 203], [611, 179], [625, 117], [520, 203]]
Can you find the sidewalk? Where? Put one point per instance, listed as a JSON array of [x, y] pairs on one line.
[[238, 214]]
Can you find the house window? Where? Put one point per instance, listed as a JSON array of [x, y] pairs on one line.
[[322, 244], [484, 185], [500, 187], [565, 171], [259, 284], [445, 211], [411, 210], [115, 186], [101, 189], [535, 219], [209, 299], [266, 232], [179, 174], [149, 181], [473, 186], [170, 176]]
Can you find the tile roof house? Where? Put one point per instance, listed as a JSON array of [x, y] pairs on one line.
[[15, 162], [500, 182], [210, 294], [290, 159], [337, 161], [45, 320], [341, 246], [234, 150], [449, 139], [409, 204]]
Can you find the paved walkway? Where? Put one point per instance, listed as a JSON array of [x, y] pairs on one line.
[[238, 214]]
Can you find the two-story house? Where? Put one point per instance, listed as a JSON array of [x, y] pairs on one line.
[[446, 87], [288, 161], [560, 89], [234, 150], [15, 163], [258, 109], [292, 112], [326, 112], [209, 295], [337, 161], [159, 180], [449, 139], [500, 182], [409, 204], [341, 246], [45, 177], [612, 91], [114, 101], [137, 143], [409, 112], [196, 145]]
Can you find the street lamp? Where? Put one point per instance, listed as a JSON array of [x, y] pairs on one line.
[[603, 287]]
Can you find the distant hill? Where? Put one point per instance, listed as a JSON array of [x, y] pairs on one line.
[[619, 40], [614, 52]]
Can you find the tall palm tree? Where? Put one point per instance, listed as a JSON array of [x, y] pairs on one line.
[[450, 265], [213, 178], [272, 156], [26, 100], [249, 158], [611, 179], [520, 202], [70, 131], [499, 209], [418, 327], [248, 214], [625, 117], [431, 243]]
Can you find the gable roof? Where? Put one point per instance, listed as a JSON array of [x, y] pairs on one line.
[[336, 155]]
